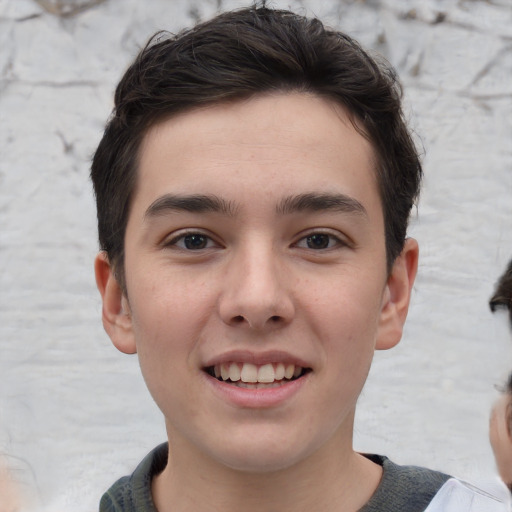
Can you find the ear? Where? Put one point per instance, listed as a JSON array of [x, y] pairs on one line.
[[116, 315], [397, 296]]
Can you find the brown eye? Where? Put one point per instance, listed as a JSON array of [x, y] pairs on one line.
[[192, 242], [318, 241], [195, 242]]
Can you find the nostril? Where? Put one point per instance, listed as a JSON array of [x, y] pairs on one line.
[[239, 320]]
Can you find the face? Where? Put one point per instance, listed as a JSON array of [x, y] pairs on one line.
[[500, 437], [256, 279]]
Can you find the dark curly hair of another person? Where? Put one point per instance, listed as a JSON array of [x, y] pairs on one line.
[[502, 298]]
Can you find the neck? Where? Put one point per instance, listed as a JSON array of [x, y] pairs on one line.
[[333, 479]]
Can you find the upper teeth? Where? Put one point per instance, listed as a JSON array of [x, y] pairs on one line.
[[248, 372]]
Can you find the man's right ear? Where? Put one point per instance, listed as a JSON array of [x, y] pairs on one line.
[[116, 315]]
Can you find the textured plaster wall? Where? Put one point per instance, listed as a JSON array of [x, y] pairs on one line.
[[74, 413]]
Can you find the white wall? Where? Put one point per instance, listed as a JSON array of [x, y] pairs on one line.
[[74, 413]]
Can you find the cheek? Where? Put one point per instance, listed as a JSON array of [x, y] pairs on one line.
[[164, 345], [499, 429], [168, 304], [349, 335], [493, 430], [167, 322], [346, 323], [349, 311]]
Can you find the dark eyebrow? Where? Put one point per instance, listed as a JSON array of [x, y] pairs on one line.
[[319, 202], [189, 203]]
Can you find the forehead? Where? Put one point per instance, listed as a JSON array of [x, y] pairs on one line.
[[280, 142]]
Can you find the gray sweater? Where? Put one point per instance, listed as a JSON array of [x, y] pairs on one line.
[[402, 488]]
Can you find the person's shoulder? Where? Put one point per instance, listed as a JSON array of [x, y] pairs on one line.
[[419, 489], [118, 497], [133, 493], [459, 496], [404, 488]]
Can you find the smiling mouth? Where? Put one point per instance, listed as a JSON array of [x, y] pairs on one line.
[[248, 375]]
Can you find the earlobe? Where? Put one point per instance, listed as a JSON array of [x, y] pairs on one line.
[[116, 315], [397, 296]]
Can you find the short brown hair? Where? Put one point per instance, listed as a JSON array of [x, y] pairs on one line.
[[236, 55]]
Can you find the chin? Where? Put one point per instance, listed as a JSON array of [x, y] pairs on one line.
[[266, 456], [260, 463]]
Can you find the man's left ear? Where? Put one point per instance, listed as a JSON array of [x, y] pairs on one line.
[[397, 296]]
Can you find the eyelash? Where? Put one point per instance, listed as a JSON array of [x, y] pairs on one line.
[[175, 241], [337, 242], [303, 243]]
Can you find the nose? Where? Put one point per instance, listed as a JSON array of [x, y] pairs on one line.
[[256, 290]]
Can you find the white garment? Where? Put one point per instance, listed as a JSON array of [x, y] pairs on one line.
[[458, 496]]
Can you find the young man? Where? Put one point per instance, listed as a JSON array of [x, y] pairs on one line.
[[253, 189], [500, 431]]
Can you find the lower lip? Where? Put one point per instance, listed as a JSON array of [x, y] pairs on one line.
[[256, 398]]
